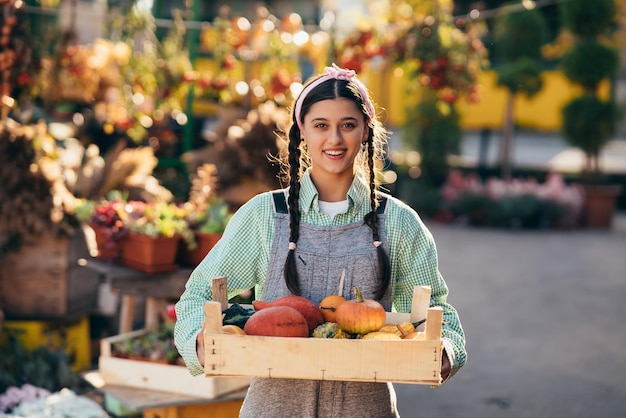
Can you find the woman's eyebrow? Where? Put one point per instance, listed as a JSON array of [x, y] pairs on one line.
[[323, 119]]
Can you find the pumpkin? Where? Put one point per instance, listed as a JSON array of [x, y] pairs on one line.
[[360, 316], [329, 330], [381, 336], [329, 304], [232, 329], [401, 330]]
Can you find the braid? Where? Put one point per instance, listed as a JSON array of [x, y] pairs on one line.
[[290, 270], [371, 219]]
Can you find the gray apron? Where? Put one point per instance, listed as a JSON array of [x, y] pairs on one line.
[[322, 253]]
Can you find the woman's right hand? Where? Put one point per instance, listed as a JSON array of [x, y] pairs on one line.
[[200, 344]]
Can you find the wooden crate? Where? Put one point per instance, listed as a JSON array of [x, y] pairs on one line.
[[160, 377], [48, 280], [402, 361]]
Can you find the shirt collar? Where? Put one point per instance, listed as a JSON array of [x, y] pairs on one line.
[[358, 193]]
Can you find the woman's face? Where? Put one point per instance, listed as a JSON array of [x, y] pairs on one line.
[[333, 131]]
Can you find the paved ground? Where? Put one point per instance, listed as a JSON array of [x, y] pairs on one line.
[[544, 316]]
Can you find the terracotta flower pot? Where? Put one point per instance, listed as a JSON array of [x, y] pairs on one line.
[[150, 254], [600, 205], [108, 248], [205, 242]]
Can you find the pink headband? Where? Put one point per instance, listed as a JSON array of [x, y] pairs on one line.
[[337, 73]]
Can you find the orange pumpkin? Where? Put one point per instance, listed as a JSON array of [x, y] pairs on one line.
[[360, 316], [329, 305]]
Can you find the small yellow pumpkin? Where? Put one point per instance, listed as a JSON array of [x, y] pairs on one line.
[[381, 336]]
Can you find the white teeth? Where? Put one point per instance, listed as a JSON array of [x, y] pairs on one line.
[[334, 152]]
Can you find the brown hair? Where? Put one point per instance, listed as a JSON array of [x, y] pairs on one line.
[[298, 161]]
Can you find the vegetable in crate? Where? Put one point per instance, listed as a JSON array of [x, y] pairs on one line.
[[401, 330], [277, 321], [380, 336], [233, 329], [236, 314], [329, 305], [330, 330], [310, 311], [360, 316]]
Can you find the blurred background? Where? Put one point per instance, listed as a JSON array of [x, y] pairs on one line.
[[159, 118]]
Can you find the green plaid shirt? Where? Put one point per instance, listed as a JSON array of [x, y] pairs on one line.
[[242, 255]]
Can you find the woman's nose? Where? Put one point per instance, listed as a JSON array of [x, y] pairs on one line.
[[335, 135]]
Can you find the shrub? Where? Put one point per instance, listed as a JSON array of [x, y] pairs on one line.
[[520, 203]]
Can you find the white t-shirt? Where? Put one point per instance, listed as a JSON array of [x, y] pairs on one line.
[[333, 208]]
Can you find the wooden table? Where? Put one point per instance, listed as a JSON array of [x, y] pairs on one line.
[[156, 288]]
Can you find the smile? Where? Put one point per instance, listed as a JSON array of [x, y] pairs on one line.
[[334, 153]]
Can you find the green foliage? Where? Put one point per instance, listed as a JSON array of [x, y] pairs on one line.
[[153, 345], [519, 38], [526, 211], [589, 62], [421, 196], [589, 19], [520, 35], [433, 130], [161, 219], [524, 76], [47, 368], [214, 218], [236, 314], [588, 123]]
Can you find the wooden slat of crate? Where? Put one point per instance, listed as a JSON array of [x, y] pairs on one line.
[[324, 359], [402, 361], [160, 377], [46, 280]]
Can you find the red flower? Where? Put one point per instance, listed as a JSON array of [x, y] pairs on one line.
[[280, 81], [229, 62], [23, 79]]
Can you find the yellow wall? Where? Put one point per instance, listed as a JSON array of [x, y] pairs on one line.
[[542, 112]]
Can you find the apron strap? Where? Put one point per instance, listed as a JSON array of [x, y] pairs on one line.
[[381, 205], [280, 204]]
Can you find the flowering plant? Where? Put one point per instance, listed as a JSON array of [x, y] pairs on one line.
[[159, 219], [154, 345], [204, 211], [520, 203], [210, 217]]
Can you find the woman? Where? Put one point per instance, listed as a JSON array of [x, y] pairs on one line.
[[298, 240]]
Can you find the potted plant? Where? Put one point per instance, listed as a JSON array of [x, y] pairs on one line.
[[588, 120], [206, 214], [107, 220], [155, 346], [208, 221], [154, 232]]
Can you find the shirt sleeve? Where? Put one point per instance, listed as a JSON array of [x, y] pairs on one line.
[[415, 263], [241, 255]]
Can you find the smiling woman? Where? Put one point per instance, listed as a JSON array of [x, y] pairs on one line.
[[297, 241]]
